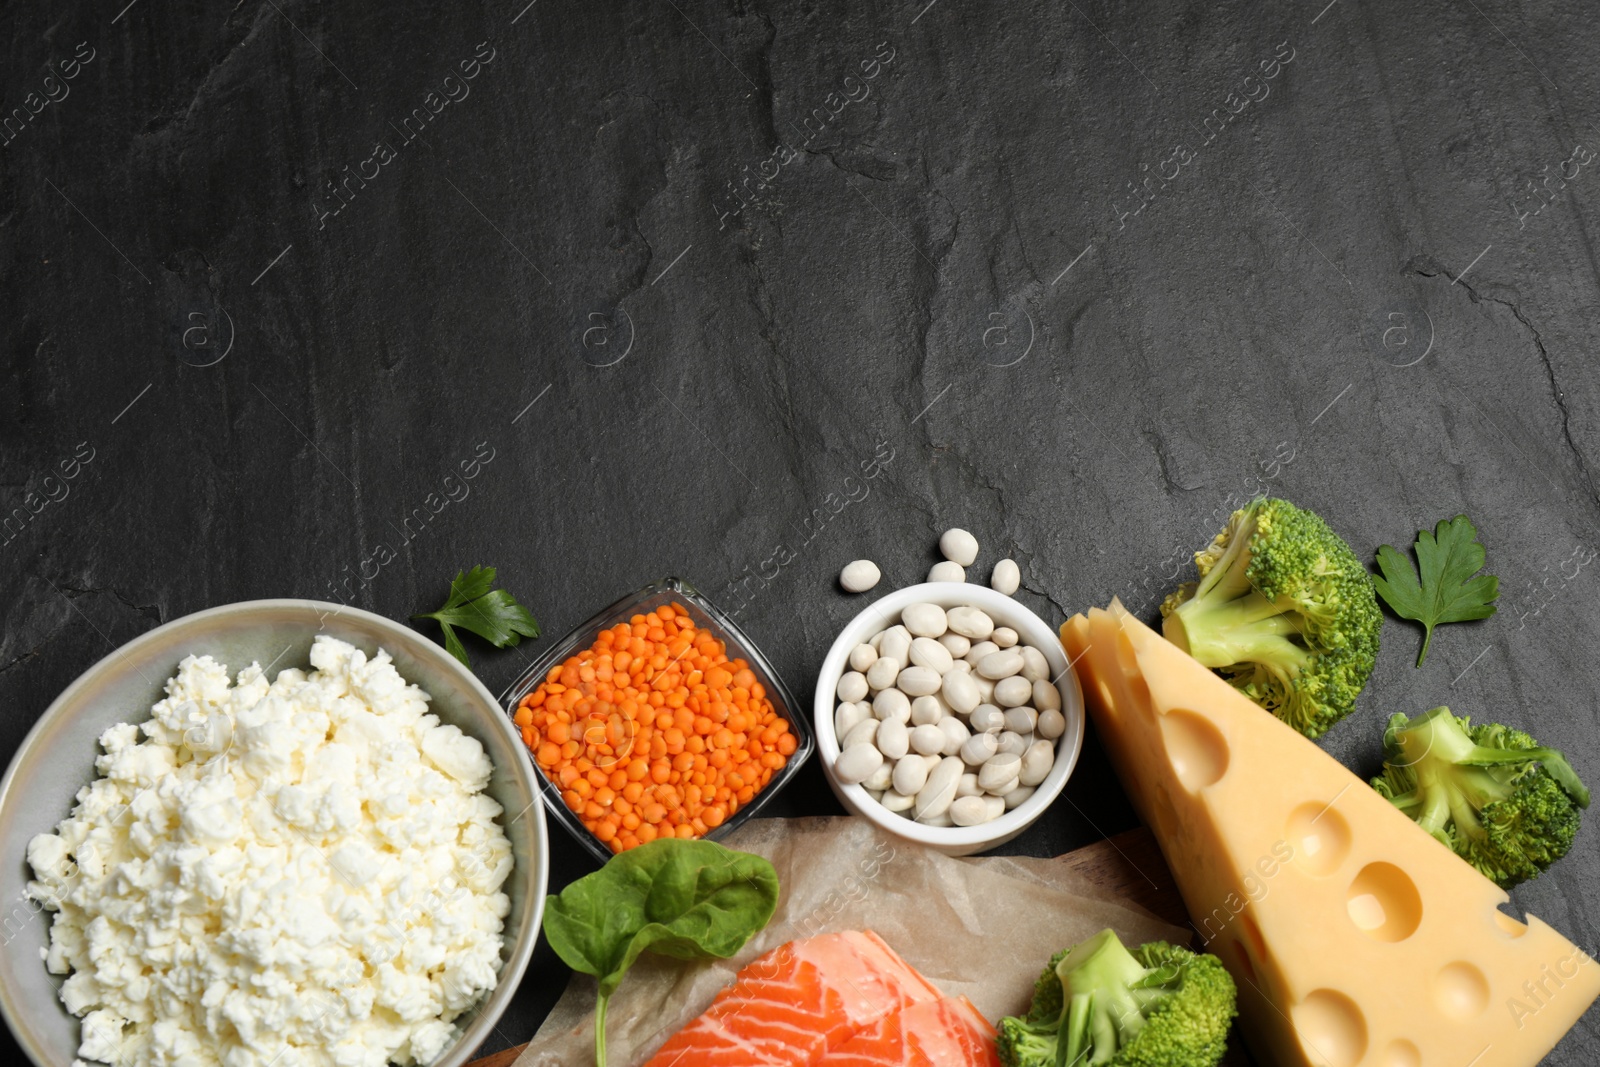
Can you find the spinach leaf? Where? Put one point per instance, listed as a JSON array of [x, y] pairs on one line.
[[679, 898]]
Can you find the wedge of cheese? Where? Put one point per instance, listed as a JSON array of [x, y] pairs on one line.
[[1356, 939]]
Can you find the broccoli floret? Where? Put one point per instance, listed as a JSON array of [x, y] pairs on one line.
[[1099, 1004], [1505, 804], [1284, 611]]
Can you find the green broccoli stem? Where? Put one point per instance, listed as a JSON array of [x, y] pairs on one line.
[[1245, 629], [1103, 1013], [1443, 754]]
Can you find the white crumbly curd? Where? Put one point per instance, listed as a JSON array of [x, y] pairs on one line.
[[300, 874]]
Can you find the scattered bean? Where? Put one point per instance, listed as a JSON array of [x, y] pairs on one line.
[[859, 576], [958, 546], [945, 571], [1005, 577]]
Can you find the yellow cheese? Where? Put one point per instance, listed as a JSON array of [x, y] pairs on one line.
[[1356, 939]]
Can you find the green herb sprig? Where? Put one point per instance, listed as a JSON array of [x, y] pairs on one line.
[[1447, 591], [492, 614]]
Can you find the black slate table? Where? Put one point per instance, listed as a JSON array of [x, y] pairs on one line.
[[678, 275]]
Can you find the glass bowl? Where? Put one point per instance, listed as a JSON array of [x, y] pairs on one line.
[[705, 615]]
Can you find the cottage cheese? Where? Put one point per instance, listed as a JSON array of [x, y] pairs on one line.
[[300, 874]]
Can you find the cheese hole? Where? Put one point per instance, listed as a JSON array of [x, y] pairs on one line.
[[1319, 836], [1508, 925], [1384, 903], [1461, 991], [1333, 1032], [1251, 946], [1198, 752], [1401, 1053]]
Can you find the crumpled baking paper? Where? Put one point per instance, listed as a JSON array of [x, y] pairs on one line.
[[981, 927]]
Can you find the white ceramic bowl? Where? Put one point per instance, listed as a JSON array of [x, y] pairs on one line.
[[1031, 630], [58, 756]]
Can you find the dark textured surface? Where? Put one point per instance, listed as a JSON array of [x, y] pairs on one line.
[[1332, 297]]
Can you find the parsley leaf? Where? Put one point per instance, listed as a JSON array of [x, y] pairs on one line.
[[492, 614], [1447, 591]]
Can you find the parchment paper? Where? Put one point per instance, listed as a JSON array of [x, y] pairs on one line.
[[979, 927]]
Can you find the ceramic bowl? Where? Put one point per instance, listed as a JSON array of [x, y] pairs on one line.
[[1031, 630], [58, 757]]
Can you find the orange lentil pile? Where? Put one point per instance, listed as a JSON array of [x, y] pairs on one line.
[[653, 731]]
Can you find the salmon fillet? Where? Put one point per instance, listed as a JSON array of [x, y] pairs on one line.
[[793, 1005], [936, 1033]]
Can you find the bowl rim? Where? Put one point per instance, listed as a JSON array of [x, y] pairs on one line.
[[883, 612], [521, 954]]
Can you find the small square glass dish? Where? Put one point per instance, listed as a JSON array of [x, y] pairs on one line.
[[657, 716]]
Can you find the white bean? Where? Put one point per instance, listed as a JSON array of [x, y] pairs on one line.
[[926, 652], [879, 779], [1005, 577], [893, 739], [1005, 787], [960, 665], [1013, 692], [955, 735], [928, 740], [995, 665], [875, 794], [987, 717], [1018, 796], [927, 711], [1052, 724], [924, 620], [1046, 697], [996, 806], [941, 819], [1012, 743], [945, 571], [852, 686], [861, 657], [979, 650], [1003, 637], [884, 670], [958, 546], [1035, 668], [1021, 720], [970, 622], [978, 749], [934, 798], [1001, 768], [961, 691], [875, 640], [957, 645], [847, 715], [968, 811], [891, 705], [864, 732], [985, 687], [894, 800], [968, 786], [856, 764], [896, 643], [918, 681], [910, 775], [859, 576], [1036, 762]]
